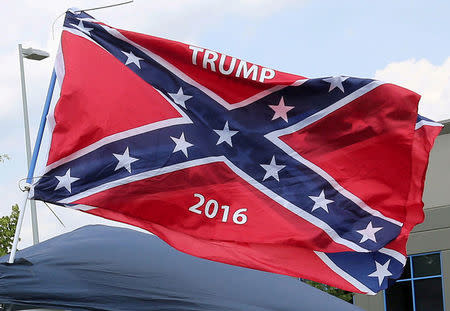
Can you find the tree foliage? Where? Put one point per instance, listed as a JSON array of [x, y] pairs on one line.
[[340, 293], [4, 157], [7, 229]]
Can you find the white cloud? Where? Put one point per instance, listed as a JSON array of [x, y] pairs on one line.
[[432, 82]]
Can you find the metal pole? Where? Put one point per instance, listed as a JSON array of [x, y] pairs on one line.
[[34, 222], [104, 7], [37, 145], [22, 208]]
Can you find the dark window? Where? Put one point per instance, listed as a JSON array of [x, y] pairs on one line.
[[428, 294], [399, 297], [420, 286], [427, 265], [406, 271]]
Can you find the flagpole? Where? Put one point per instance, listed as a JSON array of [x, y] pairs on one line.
[[18, 226], [37, 146], [104, 7]]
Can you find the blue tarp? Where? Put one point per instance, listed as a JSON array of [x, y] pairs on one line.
[[109, 268]]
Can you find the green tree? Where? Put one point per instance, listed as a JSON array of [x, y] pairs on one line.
[[340, 293], [7, 229], [4, 157]]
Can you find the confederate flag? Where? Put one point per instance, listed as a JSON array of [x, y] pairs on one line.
[[235, 162]]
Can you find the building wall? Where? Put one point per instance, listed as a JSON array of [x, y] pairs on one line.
[[437, 192], [434, 233]]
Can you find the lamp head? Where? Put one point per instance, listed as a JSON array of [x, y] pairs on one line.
[[34, 54]]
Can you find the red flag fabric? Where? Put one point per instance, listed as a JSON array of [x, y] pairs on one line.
[[236, 162]]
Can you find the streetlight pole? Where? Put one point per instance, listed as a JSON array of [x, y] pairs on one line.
[[34, 55]]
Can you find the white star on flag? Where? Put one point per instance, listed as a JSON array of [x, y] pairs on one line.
[[124, 160], [225, 135], [132, 59], [179, 98], [83, 29], [336, 82], [281, 110], [320, 202], [272, 169], [381, 271], [181, 144], [369, 233], [66, 181]]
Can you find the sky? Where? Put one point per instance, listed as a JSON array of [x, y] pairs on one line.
[[402, 42]]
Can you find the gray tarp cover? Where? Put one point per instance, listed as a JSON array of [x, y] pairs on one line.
[[108, 268]]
